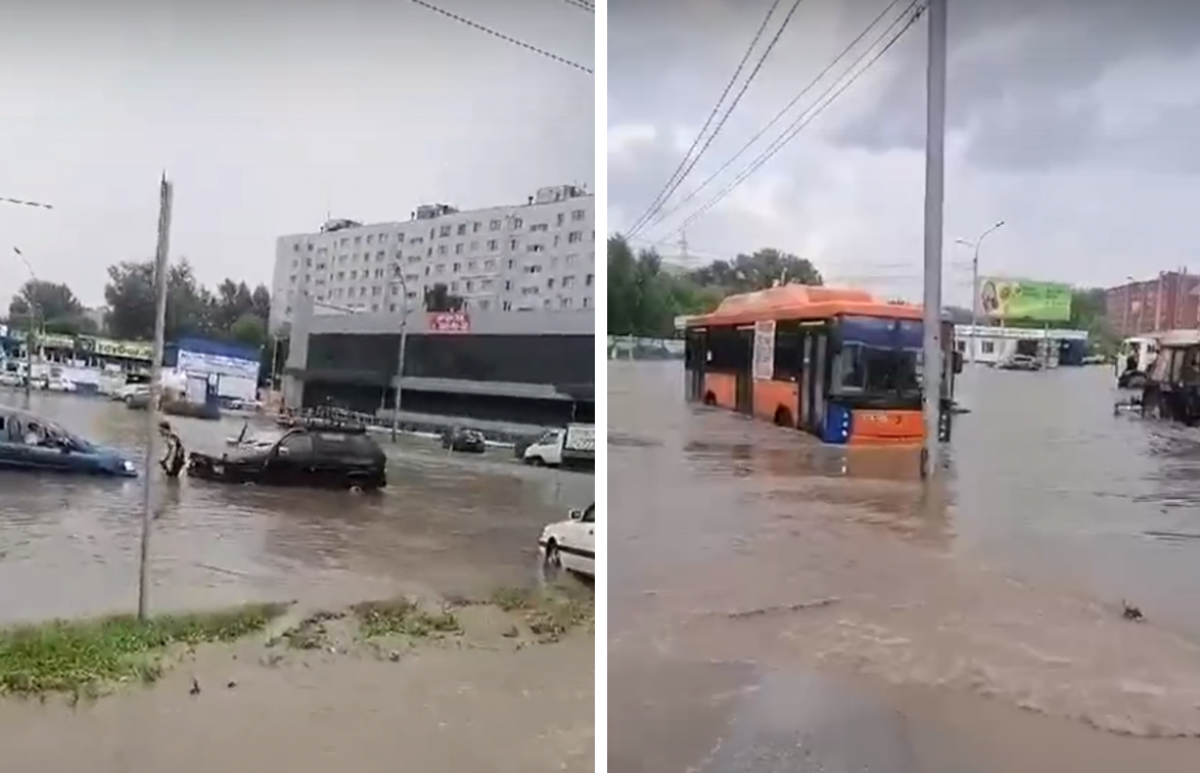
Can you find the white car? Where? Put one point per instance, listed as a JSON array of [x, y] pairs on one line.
[[60, 384], [571, 544]]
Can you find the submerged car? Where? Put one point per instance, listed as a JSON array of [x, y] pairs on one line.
[[571, 544], [30, 443], [309, 457], [464, 441]]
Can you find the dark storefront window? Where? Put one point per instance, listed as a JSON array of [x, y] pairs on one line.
[[521, 359]]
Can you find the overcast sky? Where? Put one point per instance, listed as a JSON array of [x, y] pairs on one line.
[[265, 114], [1072, 121]]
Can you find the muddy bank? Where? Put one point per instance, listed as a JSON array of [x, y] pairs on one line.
[[499, 686]]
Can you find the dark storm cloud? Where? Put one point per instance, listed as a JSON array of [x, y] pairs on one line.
[[1019, 75]]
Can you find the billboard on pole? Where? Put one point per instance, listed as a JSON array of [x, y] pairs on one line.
[[1004, 299]]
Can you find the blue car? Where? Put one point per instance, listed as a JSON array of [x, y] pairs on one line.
[[33, 444]]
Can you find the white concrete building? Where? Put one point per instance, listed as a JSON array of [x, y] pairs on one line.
[[993, 345], [523, 257]]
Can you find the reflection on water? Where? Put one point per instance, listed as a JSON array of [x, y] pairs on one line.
[[1004, 579], [444, 524]]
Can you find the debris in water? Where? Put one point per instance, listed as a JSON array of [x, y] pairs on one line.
[[798, 607], [1132, 613], [231, 684], [195, 687]]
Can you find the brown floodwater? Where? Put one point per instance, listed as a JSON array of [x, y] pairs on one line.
[[756, 574], [445, 524]]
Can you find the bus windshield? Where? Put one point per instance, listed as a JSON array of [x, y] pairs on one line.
[[879, 358]]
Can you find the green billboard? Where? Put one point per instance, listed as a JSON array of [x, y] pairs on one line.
[[1003, 299]]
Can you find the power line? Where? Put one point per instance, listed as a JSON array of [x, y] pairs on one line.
[[664, 214], [581, 5], [24, 203], [662, 194], [505, 38], [805, 119], [732, 105]]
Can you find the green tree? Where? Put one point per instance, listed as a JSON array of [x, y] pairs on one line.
[[763, 269]]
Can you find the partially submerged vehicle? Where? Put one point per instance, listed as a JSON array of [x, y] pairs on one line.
[[835, 363], [1134, 360], [1020, 362], [570, 544], [33, 444], [464, 441], [1172, 386], [572, 448], [310, 456]]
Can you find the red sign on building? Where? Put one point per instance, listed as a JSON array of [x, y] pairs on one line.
[[449, 322]]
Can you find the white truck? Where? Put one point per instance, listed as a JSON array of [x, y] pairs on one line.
[[573, 447]]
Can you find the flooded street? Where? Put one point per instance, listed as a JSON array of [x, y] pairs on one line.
[[69, 545], [762, 574]]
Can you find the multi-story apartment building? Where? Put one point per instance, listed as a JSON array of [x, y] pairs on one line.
[[540, 255]]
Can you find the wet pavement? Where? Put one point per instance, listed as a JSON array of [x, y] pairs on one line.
[[782, 576], [445, 525]]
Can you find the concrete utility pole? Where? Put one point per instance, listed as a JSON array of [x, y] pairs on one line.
[[975, 245], [400, 355], [161, 261], [935, 178]]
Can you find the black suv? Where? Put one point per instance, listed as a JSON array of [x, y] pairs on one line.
[[311, 456]]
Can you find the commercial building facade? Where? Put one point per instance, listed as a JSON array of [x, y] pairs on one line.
[[535, 368], [991, 345], [535, 256], [1167, 302]]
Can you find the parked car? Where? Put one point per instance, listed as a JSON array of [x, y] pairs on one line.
[[59, 384], [309, 457], [571, 544], [30, 443], [465, 441], [11, 378], [132, 392]]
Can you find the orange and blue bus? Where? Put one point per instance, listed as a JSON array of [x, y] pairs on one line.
[[836, 363]]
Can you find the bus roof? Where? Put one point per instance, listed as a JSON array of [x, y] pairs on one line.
[[802, 302]]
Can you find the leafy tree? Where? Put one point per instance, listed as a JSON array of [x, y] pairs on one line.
[[763, 269], [49, 300], [249, 330], [644, 296]]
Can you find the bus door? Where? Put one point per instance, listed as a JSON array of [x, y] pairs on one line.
[[814, 373], [695, 355], [743, 400]]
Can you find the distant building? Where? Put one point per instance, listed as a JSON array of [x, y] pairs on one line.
[[1169, 301], [535, 256], [536, 368], [994, 344]]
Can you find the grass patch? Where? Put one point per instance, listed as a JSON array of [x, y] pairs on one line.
[[551, 612], [403, 617], [80, 656], [310, 633]]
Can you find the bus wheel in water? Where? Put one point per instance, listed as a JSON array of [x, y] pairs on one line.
[[710, 398], [783, 417]]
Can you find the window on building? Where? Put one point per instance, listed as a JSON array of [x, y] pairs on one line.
[[578, 214], [987, 347]]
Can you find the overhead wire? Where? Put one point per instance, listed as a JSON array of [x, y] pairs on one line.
[[733, 105], [664, 214], [505, 38], [662, 194], [807, 117]]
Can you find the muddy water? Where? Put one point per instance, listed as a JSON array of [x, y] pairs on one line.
[[445, 524], [739, 543]]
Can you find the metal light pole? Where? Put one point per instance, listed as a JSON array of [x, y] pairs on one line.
[[975, 245], [166, 194], [935, 178], [400, 355], [35, 314]]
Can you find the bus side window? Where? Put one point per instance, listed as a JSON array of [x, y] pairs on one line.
[[726, 351], [788, 351]]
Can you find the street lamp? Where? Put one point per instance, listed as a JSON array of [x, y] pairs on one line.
[[35, 313], [975, 245], [400, 353]]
